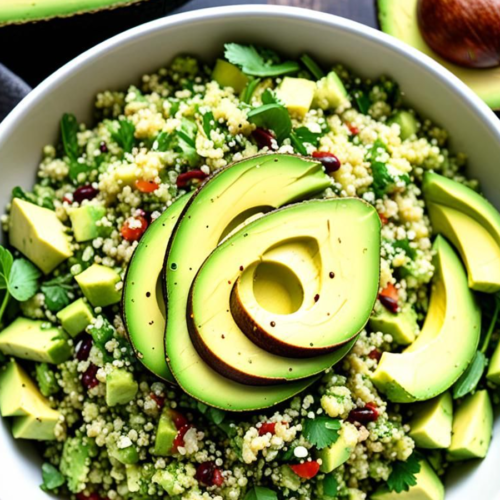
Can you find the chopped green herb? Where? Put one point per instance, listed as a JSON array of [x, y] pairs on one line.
[[51, 478], [261, 493], [362, 101], [403, 474], [209, 123], [273, 117], [57, 291], [69, 131], [321, 431], [471, 377], [253, 63], [312, 66], [124, 135], [330, 486], [381, 178], [163, 142], [249, 90], [404, 245], [46, 380], [305, 135], [297, 143]]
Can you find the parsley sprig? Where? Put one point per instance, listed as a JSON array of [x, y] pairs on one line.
[[403, 474], [252, 62], [57, 292], [18, 279], [321, 431]]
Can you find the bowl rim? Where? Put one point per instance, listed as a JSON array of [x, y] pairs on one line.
[[22, 109]]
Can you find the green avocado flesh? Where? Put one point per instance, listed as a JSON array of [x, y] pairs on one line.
[[471, 223], [16, 11], [143, 303], [252, 186], [399, 19], [447, 342], [293, 304]]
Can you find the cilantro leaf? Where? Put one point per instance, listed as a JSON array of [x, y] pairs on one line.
[[162, 142], [209, 123], [249, 90], [123, 135], [56, 292], [51, 477], [362, 101], [253, 63], [312, 66], [382, 180], [321, 431], [330, 486], [76, 168], [261, 493], [305, 135], [297, 143], [273, 117], [403, 474], [404, 245], [69, 131], [23, 280], [6, 261], [20, 193]]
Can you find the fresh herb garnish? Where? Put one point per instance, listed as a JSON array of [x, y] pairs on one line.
[[123, 135], [469, 380], [69, 131], [162, 142], [381, 178], [403, 474], [297, 143], [213, 414], [209, 123], [20, 193], [51, 477], [261, 493], [253, 63], [186, 140], [330, 486], [305, 135], [249, 90], [404, 245], [57, 291], [363, 101], [321, 431], [18, 278], [312, 66]]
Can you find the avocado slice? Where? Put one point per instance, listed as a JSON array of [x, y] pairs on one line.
[[38, 234], [472, 428], [229, 75], [428, 487], [339, 452], [399, 19], [143, 304], [29, 339], [431, 425], [305, 283], [76, 317], [448, 340], [402, 326], [297, 94], [98, 284], [232, 195]]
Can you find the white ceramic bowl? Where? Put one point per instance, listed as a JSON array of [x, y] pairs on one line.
[[123, 59]]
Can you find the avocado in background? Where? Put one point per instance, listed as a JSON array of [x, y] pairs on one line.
[[98, 284], [76, 317], [472, 428], [407, 122], [297, 94], [38, 234], [234, 194], [29, 339], [121, 388], [428, 487], [229, 75], [448, 340], [402, 326], [330, 92], [339, 452], [399, 19], [432, 422], [143, 292]]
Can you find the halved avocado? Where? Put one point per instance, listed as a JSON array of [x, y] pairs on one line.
[[223, 202], [471, 223], [399, 19], [448, 340], [305, 281], [143, 305]]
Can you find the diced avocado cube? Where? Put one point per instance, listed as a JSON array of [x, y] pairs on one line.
[[75, 463], [297, 94], [121, 388], [340, 451], [46, 380], [40, 426], [76, 317], [472, 428], [407, 123], [27, 339], [229, 75], [84, 222], [19, 396], [165, 435], [133, 478], [175, 479], [493, 374], [127, 174], [330, 92], [98, 284], [127, 456], [38, 234], [402, 326], [432, 423]]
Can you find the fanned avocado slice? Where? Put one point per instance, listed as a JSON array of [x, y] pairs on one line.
[[16, 11], [300, 282], [399, 19], [254, 185], [447, 342], [143, 304]]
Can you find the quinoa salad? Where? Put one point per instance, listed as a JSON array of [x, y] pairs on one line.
[[380, 407]]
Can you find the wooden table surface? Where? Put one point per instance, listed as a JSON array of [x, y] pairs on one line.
[[362, 11]]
